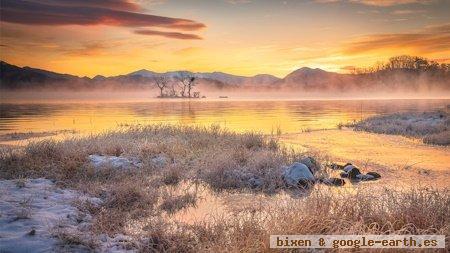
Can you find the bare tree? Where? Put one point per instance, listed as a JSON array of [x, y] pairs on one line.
[[172, 90], [161, 83], [186, 81]]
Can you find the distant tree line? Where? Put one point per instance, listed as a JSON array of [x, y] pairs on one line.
[[405, 62], [181, 86]]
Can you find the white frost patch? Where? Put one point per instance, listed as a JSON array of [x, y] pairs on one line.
[[116, 162], [32, 210]]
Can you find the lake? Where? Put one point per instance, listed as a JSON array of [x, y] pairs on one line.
[[268, 116]]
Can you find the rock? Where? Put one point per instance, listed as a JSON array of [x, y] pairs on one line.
[[333, 181], [116, 162], [311, 164], [298, 174], [336, 166], [32, 232], [348, 167], [365, 177], [352, 171], [374, 174], [344, 174]]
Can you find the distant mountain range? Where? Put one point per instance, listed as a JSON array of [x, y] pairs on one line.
[[304, 79]]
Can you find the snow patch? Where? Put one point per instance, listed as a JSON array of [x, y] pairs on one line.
[[116, 162]]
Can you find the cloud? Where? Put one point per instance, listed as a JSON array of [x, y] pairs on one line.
[[110, 4], [72, 12], [383, 3], [407, 12], [239, 1], [432, 39], [87, 49], [390, 2], [172, 35]]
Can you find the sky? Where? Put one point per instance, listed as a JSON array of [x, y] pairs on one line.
[[241, 37]]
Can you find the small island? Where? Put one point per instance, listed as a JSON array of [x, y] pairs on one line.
[[179, 86]]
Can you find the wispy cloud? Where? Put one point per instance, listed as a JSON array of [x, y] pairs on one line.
[[391, 2], [383, 3], [84, 12], [432, 39], [172, 35], [239, 1], [110, 4], [87, 49], [407, 12]]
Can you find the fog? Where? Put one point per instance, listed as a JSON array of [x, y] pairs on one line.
[[143, 95]]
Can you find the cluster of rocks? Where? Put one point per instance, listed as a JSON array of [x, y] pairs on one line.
[[303, 174], [353, 173]]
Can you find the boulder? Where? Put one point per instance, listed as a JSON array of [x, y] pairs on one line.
[[374, 174], [344, 174], [311, 164], [115, 162], [352, 171], [333, 181], [365, 177], [298, 174]]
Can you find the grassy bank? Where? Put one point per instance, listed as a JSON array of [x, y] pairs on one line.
[[432, 127], [175, 160]]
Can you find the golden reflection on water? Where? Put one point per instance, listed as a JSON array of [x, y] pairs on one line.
[[240, 116]]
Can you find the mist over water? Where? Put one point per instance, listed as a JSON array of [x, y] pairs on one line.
[[147, 95]]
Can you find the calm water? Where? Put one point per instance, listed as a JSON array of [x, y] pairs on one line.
[[262, 116]]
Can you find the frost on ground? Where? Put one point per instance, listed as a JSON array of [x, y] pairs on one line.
[[37, 216], [433, 126]]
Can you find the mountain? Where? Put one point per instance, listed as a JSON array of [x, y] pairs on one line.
[[143, 72], [304, 79], [263, 79], [13, 77], [317, 79]]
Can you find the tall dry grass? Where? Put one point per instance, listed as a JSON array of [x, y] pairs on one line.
[[138, 199]]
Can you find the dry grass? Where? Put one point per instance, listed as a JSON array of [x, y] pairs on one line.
[[221, 160], [172, 204], [433, 126], [442, 138], [420, 211]]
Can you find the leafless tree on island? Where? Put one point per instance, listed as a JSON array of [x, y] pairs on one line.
[[187, 81], [161, 82]]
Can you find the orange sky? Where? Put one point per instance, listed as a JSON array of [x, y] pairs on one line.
[[244, 37]]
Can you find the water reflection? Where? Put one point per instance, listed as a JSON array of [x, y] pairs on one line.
[[263, 116]]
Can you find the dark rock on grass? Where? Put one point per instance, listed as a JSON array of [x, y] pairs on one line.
[[352, 171], [374, 174], [366, 177], [333, 181], [336, 166]]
